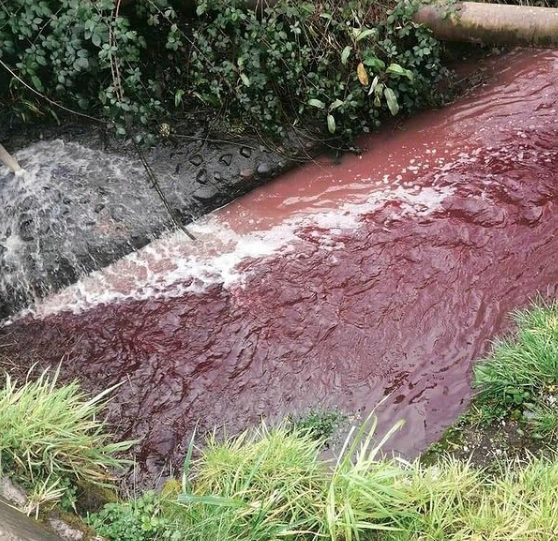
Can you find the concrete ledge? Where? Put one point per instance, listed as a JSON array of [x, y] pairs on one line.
[[16, 526]]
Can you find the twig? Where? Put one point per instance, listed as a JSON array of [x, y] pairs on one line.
[[46, 98], [159, 191]]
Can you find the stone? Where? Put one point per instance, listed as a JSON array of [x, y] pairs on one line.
[[226, 159], [16, 526], [65, 531], [206, 193], [117, 213], [263, 169], [247, 173], [217, 176], [201, 177], [12, 493], [196, 160], [246, 152], [99, 207]]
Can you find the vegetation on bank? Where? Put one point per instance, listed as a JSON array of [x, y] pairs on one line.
[[273, 483], [520, 378], [333, 67], [51, 439]]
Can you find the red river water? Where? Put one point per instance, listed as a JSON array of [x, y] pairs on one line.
[[334, 286]]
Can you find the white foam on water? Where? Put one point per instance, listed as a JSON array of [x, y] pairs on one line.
[[174, 265]]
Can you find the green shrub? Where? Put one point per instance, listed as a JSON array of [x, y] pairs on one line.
[[141, 519], [344, 64], [86, 55], [322, 425], [337, 66], [51, 438]]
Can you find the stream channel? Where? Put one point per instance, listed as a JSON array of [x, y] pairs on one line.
[[334, 286]]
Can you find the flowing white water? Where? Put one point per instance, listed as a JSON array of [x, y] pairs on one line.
[[48, 212], [174, 265]]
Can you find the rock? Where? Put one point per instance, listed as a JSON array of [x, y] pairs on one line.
[[205, 194], [263, 169], [217, 176], [15, 526], [117, 213], [246, 152], [12, 492], [99, 207], [196, 160], [201, 177], [65, 531], [226, 159], [247, 173]]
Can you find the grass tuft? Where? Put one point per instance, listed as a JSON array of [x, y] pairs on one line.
[[51, 437], [522, 370]]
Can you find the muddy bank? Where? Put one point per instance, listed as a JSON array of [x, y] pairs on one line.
[[84, 202], [334, 286]]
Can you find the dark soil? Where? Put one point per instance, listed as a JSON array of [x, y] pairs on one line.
[[487, 445]]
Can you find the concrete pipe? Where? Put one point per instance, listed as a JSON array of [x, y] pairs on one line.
[[9, 161], [497, 24]]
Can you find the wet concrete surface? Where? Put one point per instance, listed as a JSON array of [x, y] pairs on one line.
[[84, 203]]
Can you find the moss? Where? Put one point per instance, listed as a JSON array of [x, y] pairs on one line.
[[451, 440], [91, 498]]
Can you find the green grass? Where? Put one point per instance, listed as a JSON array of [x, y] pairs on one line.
[[271, 485], [51, 438], [521, 373]]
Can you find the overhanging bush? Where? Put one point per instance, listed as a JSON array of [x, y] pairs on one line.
[[337, 64], [329, 65]]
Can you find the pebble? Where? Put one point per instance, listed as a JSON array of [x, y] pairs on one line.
[[196, 160]]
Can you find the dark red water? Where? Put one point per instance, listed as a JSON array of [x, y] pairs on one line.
[[388, 273]]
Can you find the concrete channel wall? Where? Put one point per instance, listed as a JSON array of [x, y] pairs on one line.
[[16, 526]]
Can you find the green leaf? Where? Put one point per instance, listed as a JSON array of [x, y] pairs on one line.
[[81, 63], [365, 33], [178, 97], [331, 123], [37, 83], [391, 101], [245, 79], [398, 70], [335, 105], [345, 54], [374, 62], [210, 500], [316, 103]]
